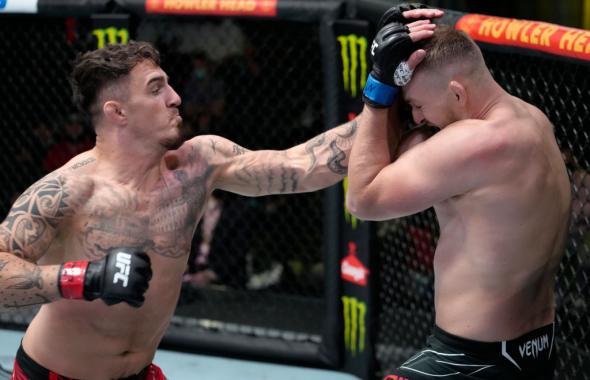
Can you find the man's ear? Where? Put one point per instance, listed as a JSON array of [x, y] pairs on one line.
[[114, 112], [458, 92]]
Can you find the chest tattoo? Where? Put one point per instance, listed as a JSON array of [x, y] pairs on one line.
[[161, 222]]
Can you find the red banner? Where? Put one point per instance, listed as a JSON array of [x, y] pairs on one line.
[[535, 35], [265, 8]]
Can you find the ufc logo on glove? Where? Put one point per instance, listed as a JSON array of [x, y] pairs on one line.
[[123, 264]]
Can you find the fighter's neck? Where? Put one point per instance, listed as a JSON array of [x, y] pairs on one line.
[[135, 168], [491, 98]]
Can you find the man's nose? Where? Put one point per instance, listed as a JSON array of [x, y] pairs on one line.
[[174, 100], [417, 116]]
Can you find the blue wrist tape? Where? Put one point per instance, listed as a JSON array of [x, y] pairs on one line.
[[379, 92]]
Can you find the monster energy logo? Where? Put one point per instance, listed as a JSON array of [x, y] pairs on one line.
[[353, 52], [111, 35], [351, 219], [354, 324]]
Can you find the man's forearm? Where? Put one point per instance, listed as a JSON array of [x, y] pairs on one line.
[[327, 155], [371, 151], [25, 284], [316, 164]]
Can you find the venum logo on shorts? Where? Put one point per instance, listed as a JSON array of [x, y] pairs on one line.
[[534, 346], [124, 265], [353, 53]]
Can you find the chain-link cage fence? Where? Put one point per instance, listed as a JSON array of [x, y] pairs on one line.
[[256, 265], [405, 248]]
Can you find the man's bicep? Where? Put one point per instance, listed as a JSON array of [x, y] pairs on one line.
[[237, 169], [263, 172], [417, 180], [32, 222], [414, 137]]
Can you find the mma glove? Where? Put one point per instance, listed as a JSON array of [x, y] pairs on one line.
[[391, 46], [395, 14], [123, 275]]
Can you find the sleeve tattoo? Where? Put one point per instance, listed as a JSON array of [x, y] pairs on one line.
[[340, 142], [30, 225]]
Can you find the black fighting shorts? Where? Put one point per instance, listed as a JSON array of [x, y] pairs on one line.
[[446, 356]]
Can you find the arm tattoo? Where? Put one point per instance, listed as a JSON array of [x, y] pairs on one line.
[[288, 175], [28, 280], [29, 226], [309, 149], [238, 150], [249, 176], [270, 176], [336, 158], [294, 180], [351, 130], [83, 163], [283, 179], [213, 145], [16, 305]]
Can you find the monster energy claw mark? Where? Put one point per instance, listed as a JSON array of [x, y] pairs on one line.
[[354, 324], [353, 52]]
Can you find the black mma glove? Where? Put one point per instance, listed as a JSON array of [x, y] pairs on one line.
[[395, 14], [391, 45], [121, 276]]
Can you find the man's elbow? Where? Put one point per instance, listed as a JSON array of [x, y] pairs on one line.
[[360, 206], [371, 208]]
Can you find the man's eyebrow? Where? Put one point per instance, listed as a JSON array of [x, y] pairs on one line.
[[159, 78]]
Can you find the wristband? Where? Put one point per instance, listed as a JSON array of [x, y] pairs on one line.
[[71, 279], [379, 94]]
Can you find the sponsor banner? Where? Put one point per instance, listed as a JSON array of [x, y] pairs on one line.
[[351, 220], [355, 328], [353, 56], [18, 6], [352, 269], [263, 8], [110, 29], [534, 35]]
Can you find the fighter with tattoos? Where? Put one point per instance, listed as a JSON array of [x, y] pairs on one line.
[[102, 242]]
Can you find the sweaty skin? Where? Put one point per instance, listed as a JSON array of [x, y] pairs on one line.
[[150, 199], [501, 194]]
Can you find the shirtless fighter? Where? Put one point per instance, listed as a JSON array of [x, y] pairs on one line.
[[496, 179], [87, 240]]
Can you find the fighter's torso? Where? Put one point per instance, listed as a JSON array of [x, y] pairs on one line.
[[500, 244], [159, 220]]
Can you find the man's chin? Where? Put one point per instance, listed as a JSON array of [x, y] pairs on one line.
[[173, 143]]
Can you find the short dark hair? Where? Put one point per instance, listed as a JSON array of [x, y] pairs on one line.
[[98, 68], [447, 46]]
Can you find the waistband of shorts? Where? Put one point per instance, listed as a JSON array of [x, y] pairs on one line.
[[487, 348], [34, 370], [31, 368]]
